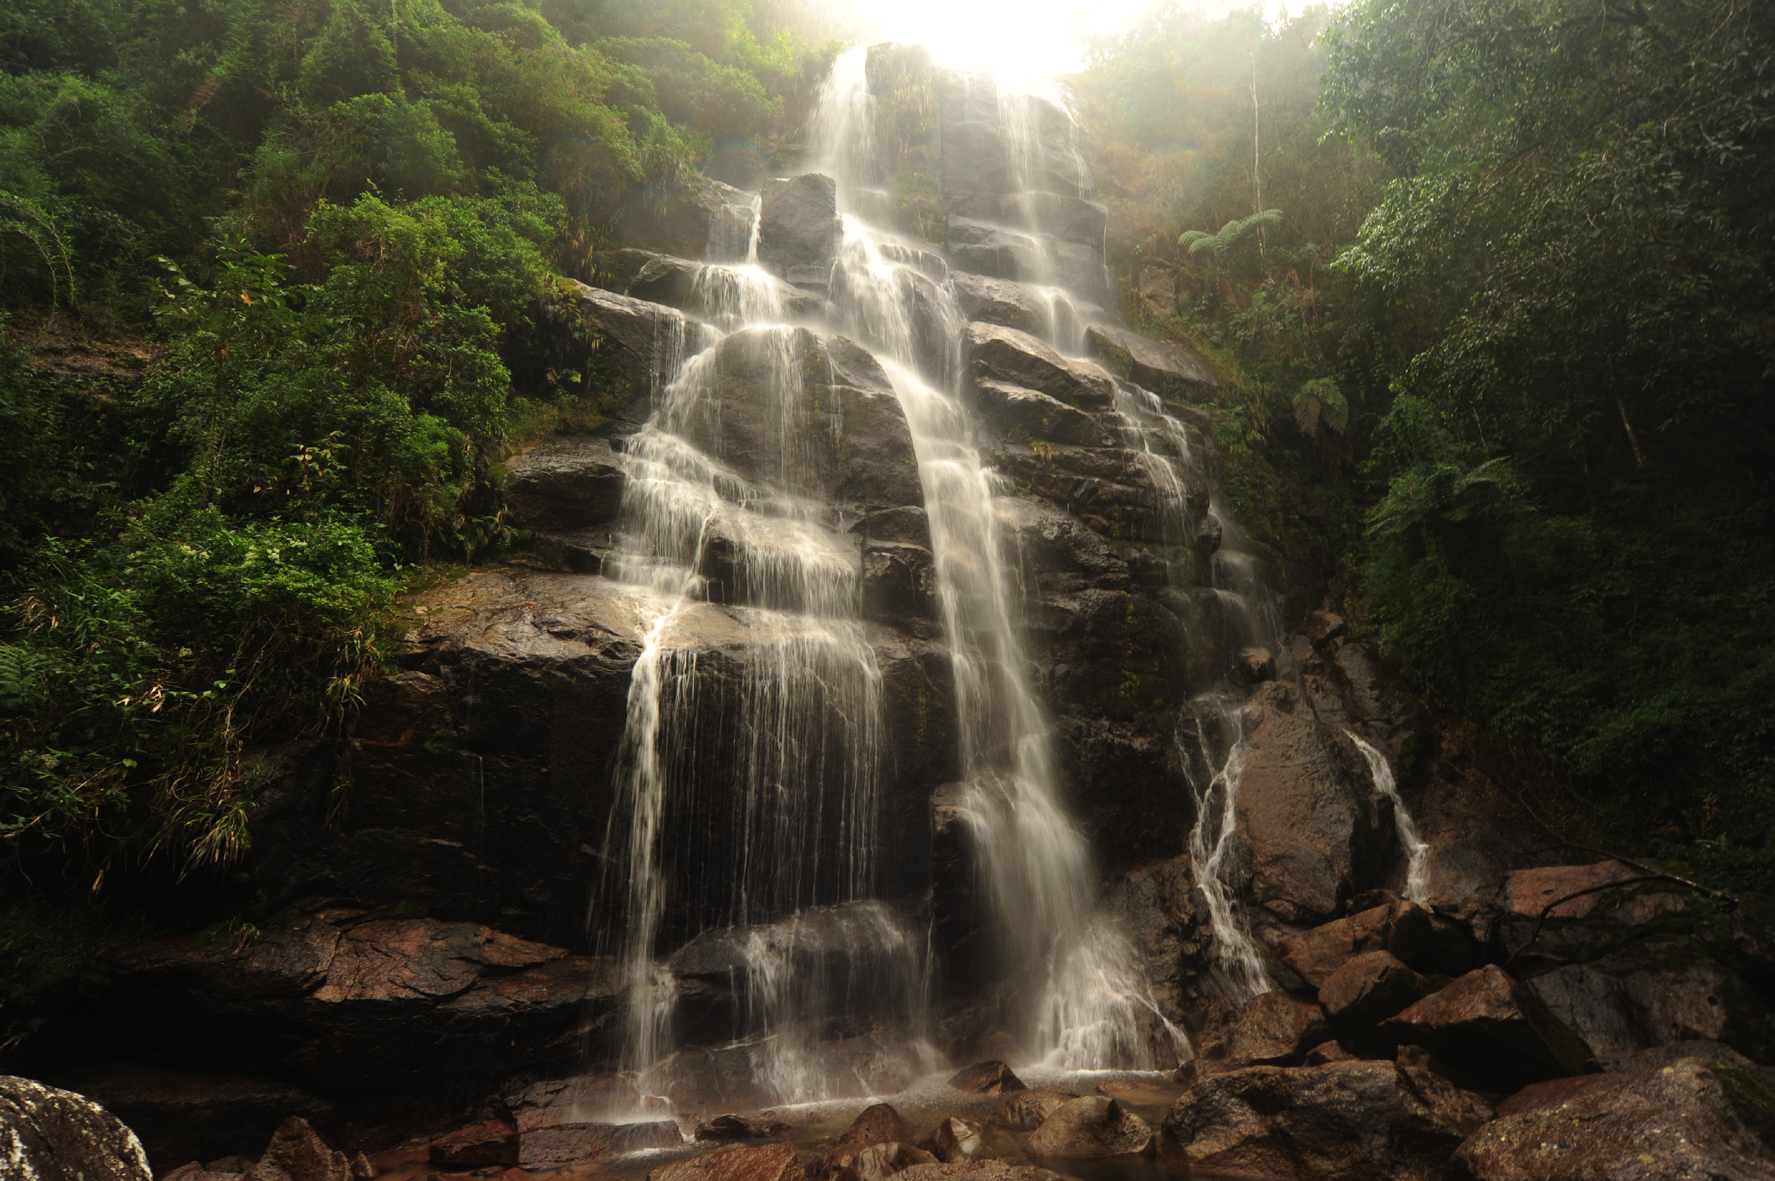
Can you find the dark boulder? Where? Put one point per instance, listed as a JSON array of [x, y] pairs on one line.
[[553, 1146], [742, 1127], [1400, 927], [1162, 368], [698, 216], [1024, 1111], [1370, 988], [1274, 1029], [987, 1078], [1495, 1029], [490, 1142], [880, 1161], [1693, 1118], [297, 1153], [565, 484], [60, 1136], [1093, 1126], [1016, 358], [715, 292], [1011, 407], [1344, 1119], [798, 230]]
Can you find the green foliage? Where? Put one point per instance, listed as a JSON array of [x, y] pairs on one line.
[[1320, 401], [1220, 246]]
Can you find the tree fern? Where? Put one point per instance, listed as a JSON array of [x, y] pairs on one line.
[[1199, 242], [1320, 401]]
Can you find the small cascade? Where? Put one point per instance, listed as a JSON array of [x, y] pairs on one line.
[[1211, 841], [1417, 871]]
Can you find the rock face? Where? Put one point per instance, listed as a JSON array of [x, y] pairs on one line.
[[1162, 368], [1314, 824], [1693, 1118], [710, 291], [1094, 1126], [1000, 301], [570, 491], [641, 342], [798, 229], [1495, 1028], [1019, 359], [53, 1135], [1341, 1119], [1035, 414], [1275, 1029]]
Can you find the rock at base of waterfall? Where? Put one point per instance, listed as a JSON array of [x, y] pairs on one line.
[[742, 1127], [1094, 1126], [1162, 368], [1368, 1119], [50, 1133], [879, 1123], [742, 1162], [1256, 664], [880, 1161], [1036, 414], [1025, 1110], [799, 226], [1066, 218], [1495, 1028], [1016, 358], [298, 1153], [1306, 806], [1000, 301], [1693, 1118], [957, 1139], [567, 483], [987, 1078], [1274, 1029], [1401, 927], [491, 1142], [1366, 991], [556, 1145]]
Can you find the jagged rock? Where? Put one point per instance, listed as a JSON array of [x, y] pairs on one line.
[[1014, 408], [1000, 301], [987, 1078], [993, 249], [740, 1127], [565, 484], [879, 1161], [1093, 1126], [877, 1125], [1274, 1029], [1368, 1119], [1371, 987], [1162, 368], [1693, 1118], [1314, 824], [798, 230], [555, 1145], [1024, 1111], [1495, 1029], [297, 1153], [614, 270], [491, 1142], [1017, 358], [1400, 927], [711, 291], [361, 1168], [642, 346], [60, 1136], [181, 1116], [742, 1162]]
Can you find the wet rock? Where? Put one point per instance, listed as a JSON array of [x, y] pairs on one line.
[[987, 1078], [1207, 536], [741, 1127], [1256, 664], [565, 484], [1016, 358], [491, 1142], [1094, 1126], [956, 1139], [742, 1162], [879, 1123], [707, 291], [1371, 987], [798, 230], [1577, 889], [642, 346], [1036, 414], [1543, 1096], [60, 1136], [1024, 1111], [1400, 927], [1495, 1029], [181, 1116], [555, 1145], [1643, 1060], [1356, 1119], [997, 250], [1162, 368], [1000, 301], [1314, 823], [1065, 218], [1274, 1029], [297, 1153], [696, 216], [1690, 1119], [878, 1161], [1130, 1091]]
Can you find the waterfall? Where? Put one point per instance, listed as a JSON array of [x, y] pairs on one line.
[[1209, 844], [1417, 871]]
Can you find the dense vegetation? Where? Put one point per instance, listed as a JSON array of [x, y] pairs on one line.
[[1521, 280], [270, 270]]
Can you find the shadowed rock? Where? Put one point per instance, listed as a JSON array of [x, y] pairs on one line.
[[1162, 368], [1000, 301], [1094, 1126], [492, 1142], [740, 1127], [1014, 408], [798, 230], [1370, 988], [1495, 1029], [1025, 1110], [1274, 1029], [1019, 359], [297, 1153], [1400, 927], [555, 1145]]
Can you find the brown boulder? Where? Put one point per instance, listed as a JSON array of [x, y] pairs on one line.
[[1274, 1029], [1345, 1119], [1495, 1029], [883, 1160], [1373, 986], [956, 1139], [1693, 1118], [60, 1136], [492, 1142], [1530, 891], [297, 1153], [1024, 1111], [879, 1123], [1325, 1052], [987, 1078], [742, 1162], [1401, 927], [1094, 1126]]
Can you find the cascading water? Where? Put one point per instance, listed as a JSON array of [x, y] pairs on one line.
[[1417, 871]]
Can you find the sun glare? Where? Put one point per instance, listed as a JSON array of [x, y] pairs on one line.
[[1032, 39]]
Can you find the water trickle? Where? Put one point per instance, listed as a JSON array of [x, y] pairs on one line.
[[1211, 842], [1417, 872]]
